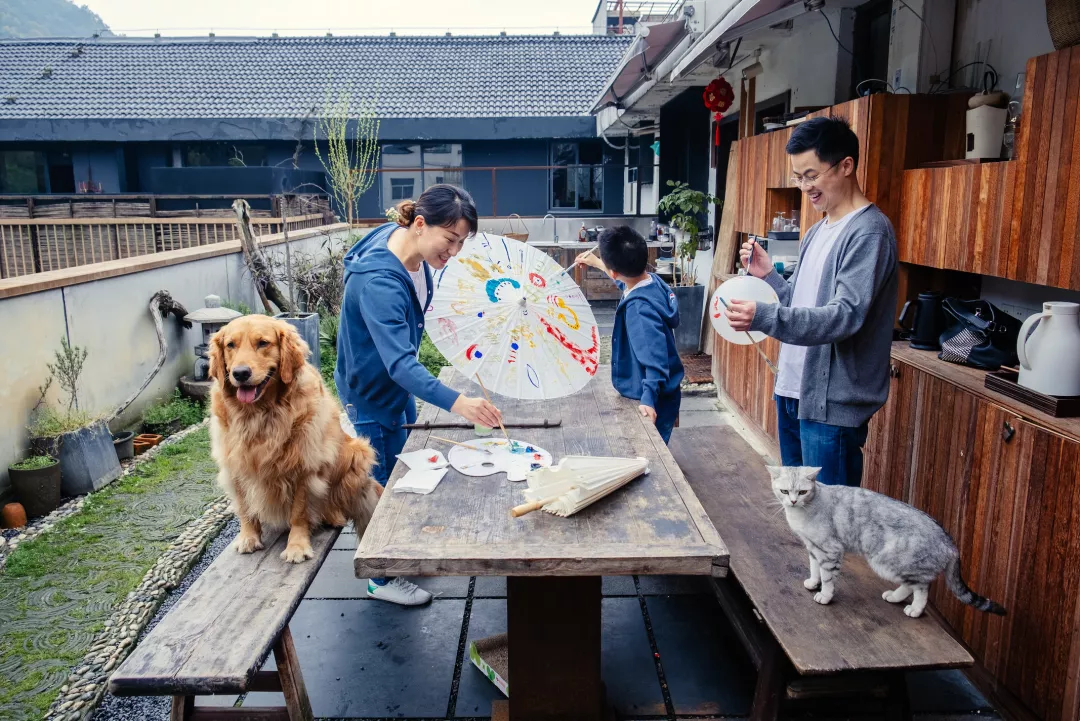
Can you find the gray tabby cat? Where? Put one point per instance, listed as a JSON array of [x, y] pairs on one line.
[[902, 544]]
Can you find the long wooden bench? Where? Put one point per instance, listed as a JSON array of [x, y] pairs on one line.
[[859, 645], [219, 633]]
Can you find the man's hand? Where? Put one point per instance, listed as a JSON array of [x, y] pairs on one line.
[[740, 313], [648, 412], [760, 266], [477, 410]]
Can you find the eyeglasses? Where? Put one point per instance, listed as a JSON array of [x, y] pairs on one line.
[[801, 180]]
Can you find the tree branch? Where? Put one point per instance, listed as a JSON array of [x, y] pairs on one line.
[[257, 262]]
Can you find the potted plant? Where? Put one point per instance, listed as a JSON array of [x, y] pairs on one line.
[[81, 441], [686, 207], [36, 481], [170, 416]]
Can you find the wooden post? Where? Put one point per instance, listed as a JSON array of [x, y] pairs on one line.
[[743, 112], [292, 683], [751, 101], [554, 628]]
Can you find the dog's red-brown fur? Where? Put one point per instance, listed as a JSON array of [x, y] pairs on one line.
[[283, 458]]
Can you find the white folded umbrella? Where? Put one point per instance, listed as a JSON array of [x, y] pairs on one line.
[[577, 482]]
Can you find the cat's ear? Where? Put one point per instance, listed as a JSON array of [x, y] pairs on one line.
[[812, 474], [774, 471]]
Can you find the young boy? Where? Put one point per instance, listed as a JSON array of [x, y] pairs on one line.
[[645, 365]]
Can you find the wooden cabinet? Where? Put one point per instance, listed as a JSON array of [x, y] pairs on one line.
[[1005, 488]]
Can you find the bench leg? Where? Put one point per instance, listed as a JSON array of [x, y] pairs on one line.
[[769, 688], [182, 708], [898, 705], [292, 682]]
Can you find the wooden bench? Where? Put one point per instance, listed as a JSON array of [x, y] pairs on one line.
[[859, 645], [216, 637]]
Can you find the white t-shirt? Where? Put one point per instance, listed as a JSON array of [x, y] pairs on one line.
[[804, 295], [419, 281]]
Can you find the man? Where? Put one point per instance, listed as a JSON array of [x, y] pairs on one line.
[[835, 316]]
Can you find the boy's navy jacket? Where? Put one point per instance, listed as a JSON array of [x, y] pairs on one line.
[[645, 364], [382, 323]]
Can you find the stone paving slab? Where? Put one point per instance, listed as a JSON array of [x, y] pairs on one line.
[[373, 660], [707, 671]]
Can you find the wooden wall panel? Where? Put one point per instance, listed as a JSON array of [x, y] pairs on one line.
[[1015, 219], [1004, 489], [743, 376]]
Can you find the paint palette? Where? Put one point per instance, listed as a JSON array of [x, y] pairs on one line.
[[515, 459]]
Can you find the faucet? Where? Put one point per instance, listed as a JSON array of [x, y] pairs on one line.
[[554, 226]]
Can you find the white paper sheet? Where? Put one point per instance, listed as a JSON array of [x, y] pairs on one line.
[[424, 459], [419, 481]]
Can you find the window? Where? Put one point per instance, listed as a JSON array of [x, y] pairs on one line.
[[198, 155], [401, 188], [22, 171], [580, 184], [409, 169]]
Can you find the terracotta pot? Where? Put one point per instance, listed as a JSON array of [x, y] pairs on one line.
[[13, 516], [37, 489], [152, 438]]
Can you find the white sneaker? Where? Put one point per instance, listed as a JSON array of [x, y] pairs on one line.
[[399, 591]]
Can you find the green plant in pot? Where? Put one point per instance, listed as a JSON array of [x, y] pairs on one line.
[[36, 481], [81, 441], [685, 207], [170, 415]]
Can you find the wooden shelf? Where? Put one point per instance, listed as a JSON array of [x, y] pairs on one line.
[[972, 380], [1015, 219]]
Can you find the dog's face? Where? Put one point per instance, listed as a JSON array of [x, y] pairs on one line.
[[254, 352]]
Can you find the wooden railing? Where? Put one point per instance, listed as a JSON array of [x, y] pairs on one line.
[[33, 245]]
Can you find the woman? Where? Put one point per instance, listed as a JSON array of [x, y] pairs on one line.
[[387, 287]]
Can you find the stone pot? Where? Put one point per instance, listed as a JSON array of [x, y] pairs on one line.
[[124, 443], [87, 458], [307, 325], [691, 305], [38, 490]]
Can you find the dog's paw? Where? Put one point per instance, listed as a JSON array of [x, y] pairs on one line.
[[295, 553], [812, 584], [248, 544], [823, 598]]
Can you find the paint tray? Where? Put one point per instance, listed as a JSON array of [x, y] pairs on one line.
[[491, 656]]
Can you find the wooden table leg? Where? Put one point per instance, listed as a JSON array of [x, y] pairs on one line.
[[554, 654], [292, 682]]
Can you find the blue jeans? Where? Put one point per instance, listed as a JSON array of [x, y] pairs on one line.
[[387, 444], [836, 450]]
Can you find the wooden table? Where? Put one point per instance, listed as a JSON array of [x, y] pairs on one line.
[[654, 525]]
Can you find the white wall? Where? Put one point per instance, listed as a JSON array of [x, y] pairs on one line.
[[1011, 31], [110, 318]]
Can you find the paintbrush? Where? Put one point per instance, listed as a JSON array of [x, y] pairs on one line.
[[489, 401], [463, 445], [768, 362], [570, 267]]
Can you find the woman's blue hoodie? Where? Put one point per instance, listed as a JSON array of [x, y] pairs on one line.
[[382, 323]]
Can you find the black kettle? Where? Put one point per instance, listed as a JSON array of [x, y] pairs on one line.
[[926, 323]]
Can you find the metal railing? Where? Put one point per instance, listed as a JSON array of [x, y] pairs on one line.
[[38, 245]]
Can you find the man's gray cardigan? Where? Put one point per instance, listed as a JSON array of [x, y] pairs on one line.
[[849, 335]]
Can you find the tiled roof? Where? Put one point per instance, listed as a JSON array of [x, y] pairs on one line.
[[420, 77]]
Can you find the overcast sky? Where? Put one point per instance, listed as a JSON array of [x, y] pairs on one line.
[[239, 17]]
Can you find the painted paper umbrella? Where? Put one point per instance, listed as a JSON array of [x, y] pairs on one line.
[[506, 311]]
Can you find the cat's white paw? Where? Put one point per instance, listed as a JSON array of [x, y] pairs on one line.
[[822, 598], [912, 611], [812, 584], [894, 597]]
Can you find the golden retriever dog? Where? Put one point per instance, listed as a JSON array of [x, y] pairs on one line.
[[275, 432]]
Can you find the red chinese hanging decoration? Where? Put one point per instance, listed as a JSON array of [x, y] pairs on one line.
[[718, 97]]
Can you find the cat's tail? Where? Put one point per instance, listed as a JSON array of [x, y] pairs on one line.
[[960, 589]]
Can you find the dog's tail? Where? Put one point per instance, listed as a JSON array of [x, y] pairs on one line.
[[367, 490], [960, 589]]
